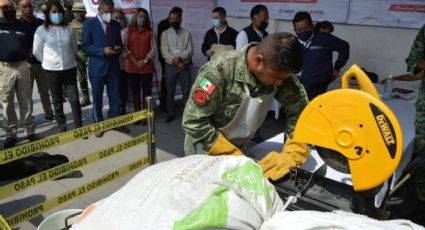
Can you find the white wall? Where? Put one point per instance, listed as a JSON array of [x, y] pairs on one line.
[[378, 49]]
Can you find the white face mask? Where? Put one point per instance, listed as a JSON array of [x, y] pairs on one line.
[[106, 17]]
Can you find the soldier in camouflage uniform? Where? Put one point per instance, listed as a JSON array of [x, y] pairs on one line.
[[214, 116], [79, 11], [416, 64]]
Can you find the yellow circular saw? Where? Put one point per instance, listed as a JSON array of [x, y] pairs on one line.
[[354, 131]]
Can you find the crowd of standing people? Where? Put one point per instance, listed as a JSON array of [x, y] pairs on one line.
[[66, 49]]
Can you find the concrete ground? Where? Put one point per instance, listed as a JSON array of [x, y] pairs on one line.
[[169, 136]]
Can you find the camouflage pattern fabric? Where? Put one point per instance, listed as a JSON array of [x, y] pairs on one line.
[[81, 57], [417, 54], [212, 107]]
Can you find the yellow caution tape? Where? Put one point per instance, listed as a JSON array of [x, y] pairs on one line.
[[61, 199], [3, 224], [63, 169], [24, 150]]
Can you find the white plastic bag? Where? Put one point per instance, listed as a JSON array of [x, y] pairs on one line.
[[193, 192], [341, 220]]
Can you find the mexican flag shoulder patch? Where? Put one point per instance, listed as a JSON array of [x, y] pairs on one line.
[[207, 85]]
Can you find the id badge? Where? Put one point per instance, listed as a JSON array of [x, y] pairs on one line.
[[177, 51]]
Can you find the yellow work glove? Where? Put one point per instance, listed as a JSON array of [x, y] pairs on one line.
[[276, 165], [223, 147]]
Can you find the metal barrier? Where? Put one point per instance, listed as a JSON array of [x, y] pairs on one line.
[[21, 151]]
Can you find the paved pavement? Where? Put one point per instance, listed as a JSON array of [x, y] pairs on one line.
[[170, 139]]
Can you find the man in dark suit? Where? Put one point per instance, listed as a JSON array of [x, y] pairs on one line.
[[101, 41]]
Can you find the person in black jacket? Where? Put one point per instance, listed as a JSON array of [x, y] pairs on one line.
[[15, 75], [220, 33], [37, 73], [318, 70]]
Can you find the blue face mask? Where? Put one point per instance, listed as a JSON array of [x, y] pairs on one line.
[[215, 23], [140, 21], [56, 18], [305, 35]]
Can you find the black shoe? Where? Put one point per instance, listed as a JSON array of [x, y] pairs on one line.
[[32, 137], [50, 117], [123, 111], [122, 129], [169, 118], [9, 142]]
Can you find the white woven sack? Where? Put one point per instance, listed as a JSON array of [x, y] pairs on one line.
[[193, 192]]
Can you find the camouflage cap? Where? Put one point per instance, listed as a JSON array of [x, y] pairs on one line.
[[78, 6]]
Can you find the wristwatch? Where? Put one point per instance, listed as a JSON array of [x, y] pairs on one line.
[[145, 61]]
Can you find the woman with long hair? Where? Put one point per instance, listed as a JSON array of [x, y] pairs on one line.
[[55, 45], [141, 49]]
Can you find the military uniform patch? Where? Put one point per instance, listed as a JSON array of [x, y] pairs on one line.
[[200, 96], [207, 85]]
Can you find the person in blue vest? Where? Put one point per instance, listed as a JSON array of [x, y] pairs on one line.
[[255, 32], [318, 70]]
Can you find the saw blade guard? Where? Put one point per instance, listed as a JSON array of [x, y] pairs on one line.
[[357, 125], [362, 79]]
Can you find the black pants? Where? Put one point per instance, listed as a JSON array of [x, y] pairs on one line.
[[316, 89], [58, 81], [123, 91], [163, 99], [145, 80]]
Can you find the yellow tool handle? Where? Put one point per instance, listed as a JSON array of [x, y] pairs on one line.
[[362, 79]]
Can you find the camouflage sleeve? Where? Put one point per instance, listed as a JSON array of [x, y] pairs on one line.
[[202, 105], [293, 98], [78, 35], [417, 52]]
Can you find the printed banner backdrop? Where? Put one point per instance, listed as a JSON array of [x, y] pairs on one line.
[[387, 13], [127, 6], [407, 13], [320, 10]]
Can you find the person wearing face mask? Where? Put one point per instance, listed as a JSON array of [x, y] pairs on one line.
[[164, 25], [79, 11], [318, 70], [176, 48], [37, 73], [232, 95], [255, 32], [221, 33], [101, 41], [140, 47], [15, 74], [118, 15], [55, 45]]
